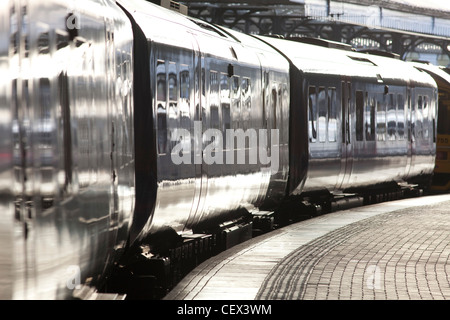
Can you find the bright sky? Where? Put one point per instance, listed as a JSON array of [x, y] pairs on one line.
[[431, 4]]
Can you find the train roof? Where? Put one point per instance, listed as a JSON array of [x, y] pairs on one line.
[[174, 29], [438, 74], [315, 58]]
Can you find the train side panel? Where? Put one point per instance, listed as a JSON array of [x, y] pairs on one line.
[[365, 114], [217, 115], [71, 141]]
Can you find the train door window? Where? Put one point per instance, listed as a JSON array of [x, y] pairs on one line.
[[332, 122], [312, 107], [391, 117], [161, 81], [274, 107], [425, 117], [184, 83], [346, 89], [370, 119], [225, 104], [246, 102], [172, 113], [236, 101], [419, 117], [400, 117], [214, 99], [359, 115], [381, 118], [246, 93], [183, 107], [322, 110], [173, 92], [161, 91]]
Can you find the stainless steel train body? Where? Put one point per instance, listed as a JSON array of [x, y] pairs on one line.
[[122, 119], [210, 86], [67, 171]]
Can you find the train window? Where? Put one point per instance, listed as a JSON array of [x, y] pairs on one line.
[[346, 90], [400, 117], [214, 89], [274, 107], [214, 99], [161, 81], [359, 115], [172, 113], [184, 82], [44, 43], [215, 121], [235, 101], [425, 116], [225, 104], [161, 105], [62, 39], [236, 92], [419, 117], [381, 119], [370, 119], [246, 93], [173, 90], [391, 117], [312, 113], [322, 122], [332, 122], [162, 129]]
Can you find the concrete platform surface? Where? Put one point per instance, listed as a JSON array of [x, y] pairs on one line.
[[397, 250]]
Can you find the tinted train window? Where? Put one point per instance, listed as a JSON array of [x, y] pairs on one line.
[[400, 117], [322, 123], [236, 92], [236, 101], [425, 116], [359, 115], [391, 117], [381, 118], [173, 82], [214, 99], [225, 104], [161, 91], [370, 119], [161, 81], [312, 107], [332, 122], [246, 93], [184, 84], [419, 117], [274, 107]]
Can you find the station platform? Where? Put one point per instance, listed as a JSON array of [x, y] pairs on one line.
[[398, 250]]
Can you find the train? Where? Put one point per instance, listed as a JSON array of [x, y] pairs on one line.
[[136, 141]]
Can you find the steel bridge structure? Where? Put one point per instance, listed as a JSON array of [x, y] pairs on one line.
[[414, 32]]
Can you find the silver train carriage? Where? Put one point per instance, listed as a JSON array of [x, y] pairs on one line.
[[219, 107], [67, 158], [371, 119]]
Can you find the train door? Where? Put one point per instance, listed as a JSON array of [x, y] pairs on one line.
[[199, 116], [347, 154]]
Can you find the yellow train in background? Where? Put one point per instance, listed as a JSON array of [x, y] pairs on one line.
[[441, 178]]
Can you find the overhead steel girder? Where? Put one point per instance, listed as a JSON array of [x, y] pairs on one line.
[[290, 20]]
